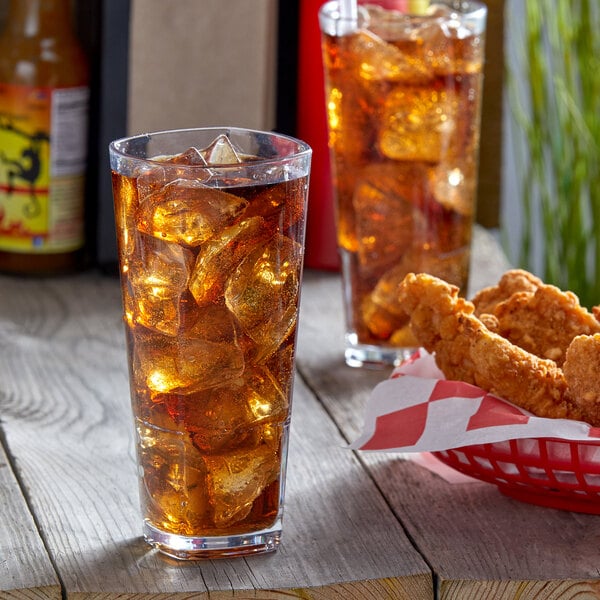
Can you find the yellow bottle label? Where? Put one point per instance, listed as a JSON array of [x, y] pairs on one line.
[[43, 139]]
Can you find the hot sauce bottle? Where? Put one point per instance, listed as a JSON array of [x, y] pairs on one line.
[[44, 99]]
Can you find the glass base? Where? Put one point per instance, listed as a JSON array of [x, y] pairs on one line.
[[374, 357], [185, 547]]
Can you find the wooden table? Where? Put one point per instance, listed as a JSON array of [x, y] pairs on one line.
[[357, 526]]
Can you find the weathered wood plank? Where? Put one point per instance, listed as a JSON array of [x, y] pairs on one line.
[[25, 568], [523, 590], [479, 543], [66, 415]]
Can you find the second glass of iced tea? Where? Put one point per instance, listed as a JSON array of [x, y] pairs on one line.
[[210, 227], [403, 94]]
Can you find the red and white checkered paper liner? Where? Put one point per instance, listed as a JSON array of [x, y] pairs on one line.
[[555, 462]]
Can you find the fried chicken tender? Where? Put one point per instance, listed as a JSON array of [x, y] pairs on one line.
[[465, 349], [512, 282], [582, 373], [543, 321]]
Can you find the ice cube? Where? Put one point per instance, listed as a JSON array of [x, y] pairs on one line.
[[158, 279], [192, 156], [263, 292], [185, 364], [281, 365], [174, 488], [380, 322], [381, 61], [281, 205], [151, 179], [232, 415], [382, 312], [152, 411], [385, 294], [454, 187], [237, 479], [216, 324], [350, 130], [419, 124], [188, 212], [220, 256], [450, 43], [221, 152], [387, 203], [154, 176]]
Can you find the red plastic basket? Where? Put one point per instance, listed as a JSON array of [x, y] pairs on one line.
[[549, 472]]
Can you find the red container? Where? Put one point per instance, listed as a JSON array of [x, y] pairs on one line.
[[311, 126], [560, 474]]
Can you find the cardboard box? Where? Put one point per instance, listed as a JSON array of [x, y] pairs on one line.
[[167, 65]]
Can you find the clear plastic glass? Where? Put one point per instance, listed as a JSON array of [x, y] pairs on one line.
[[210, 227], [403, 97]]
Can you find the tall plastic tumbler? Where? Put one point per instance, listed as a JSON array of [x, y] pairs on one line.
[[210, 226], [403, 97]]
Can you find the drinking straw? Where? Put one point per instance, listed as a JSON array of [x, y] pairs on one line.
[[348, 16], [348, 10]]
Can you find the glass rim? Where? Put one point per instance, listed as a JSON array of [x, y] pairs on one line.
[[301, 148], [471, 9]]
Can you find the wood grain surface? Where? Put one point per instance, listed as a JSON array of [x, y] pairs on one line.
[[25, 567], [66, 420], [479, 543], [357, 525]]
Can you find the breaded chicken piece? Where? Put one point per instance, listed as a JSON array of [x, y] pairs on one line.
[[582, 373], [445, 324], [513, 281], [543, 322]]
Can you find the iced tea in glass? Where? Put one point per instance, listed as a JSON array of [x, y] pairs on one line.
[[210, 226], [403, 94]]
